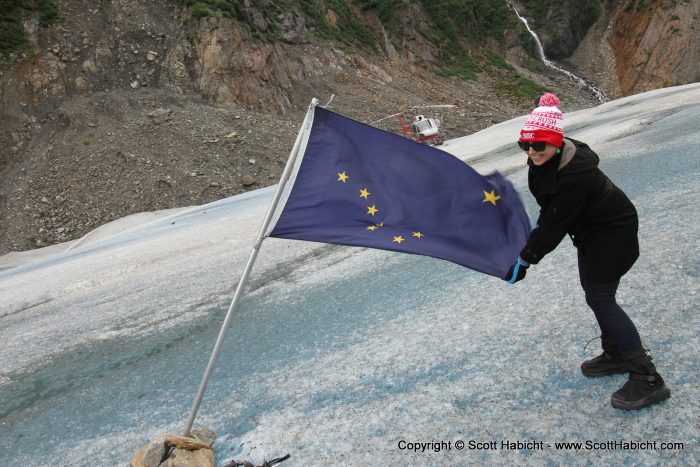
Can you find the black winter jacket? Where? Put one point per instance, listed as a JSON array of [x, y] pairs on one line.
[[576, 198]]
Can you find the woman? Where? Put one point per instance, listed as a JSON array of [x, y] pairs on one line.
[[576, 198]]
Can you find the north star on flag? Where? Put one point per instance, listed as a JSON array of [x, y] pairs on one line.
[[360, 186]]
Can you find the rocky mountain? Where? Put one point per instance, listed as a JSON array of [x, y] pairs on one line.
[[657, 46], [626, 46], [111, 107]]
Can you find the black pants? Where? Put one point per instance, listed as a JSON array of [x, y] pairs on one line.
[[612, 319]]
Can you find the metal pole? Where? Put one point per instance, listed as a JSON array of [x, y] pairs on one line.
[[246, 272]]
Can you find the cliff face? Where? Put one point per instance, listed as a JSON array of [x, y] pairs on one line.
[[625, 46], [561, 25], [122, 44], [656, 44], [98, 46], [108, 45]]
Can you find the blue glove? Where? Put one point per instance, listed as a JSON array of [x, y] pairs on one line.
[[517, 271]]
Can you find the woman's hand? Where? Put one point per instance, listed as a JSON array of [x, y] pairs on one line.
[[517, 271]]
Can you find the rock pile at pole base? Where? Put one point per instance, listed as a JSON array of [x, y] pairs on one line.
[[178, 451]]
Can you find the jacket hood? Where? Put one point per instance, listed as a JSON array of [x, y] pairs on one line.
[[582, 160]]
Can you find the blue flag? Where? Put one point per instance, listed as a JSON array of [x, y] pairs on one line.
[[361, 186]]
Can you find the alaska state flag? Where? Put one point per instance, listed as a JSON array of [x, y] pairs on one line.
[[361, 186]]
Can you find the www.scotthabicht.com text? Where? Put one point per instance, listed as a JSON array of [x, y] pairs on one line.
[[534, 445]]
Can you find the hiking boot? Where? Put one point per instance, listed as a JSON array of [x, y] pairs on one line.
[[645, 385], [610, 362], [603, 365]]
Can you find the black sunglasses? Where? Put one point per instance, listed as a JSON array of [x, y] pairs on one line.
[[538, 146]]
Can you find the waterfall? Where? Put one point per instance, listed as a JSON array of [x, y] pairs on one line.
[[599, 93]]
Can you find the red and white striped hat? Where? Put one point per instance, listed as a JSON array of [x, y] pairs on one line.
[[545, 123]]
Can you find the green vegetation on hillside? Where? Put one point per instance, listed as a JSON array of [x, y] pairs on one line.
[[236, 10], [584, 14], [456, 27], [13, 40], [342, 26], [459, 29], [536, 8]]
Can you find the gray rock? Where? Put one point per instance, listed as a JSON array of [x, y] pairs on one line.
[[148, 456], [159, 116], [184, 458], [153, 454], [204, 434]]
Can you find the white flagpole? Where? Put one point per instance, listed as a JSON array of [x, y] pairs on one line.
[[248, 267]]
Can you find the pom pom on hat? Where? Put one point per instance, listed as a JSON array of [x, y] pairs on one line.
[[545, 123], [549, 100]]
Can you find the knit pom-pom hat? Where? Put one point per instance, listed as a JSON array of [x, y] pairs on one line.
[[545, 123]]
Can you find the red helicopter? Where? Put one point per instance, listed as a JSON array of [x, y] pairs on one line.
[[421, 129]]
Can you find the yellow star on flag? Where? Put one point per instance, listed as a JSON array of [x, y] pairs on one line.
[[372, 227], [372, 210], [381, 224], [364, 193], [491, 197], [418, 234], [398, 239], [342, 177]]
